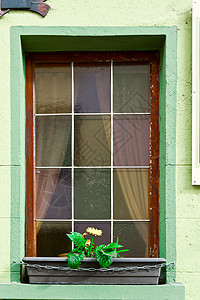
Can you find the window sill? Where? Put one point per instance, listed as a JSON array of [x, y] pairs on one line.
[[93, 292]]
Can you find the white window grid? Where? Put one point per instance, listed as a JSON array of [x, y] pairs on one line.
[[73, 167]]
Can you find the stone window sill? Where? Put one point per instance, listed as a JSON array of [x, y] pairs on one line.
[[92, 292]]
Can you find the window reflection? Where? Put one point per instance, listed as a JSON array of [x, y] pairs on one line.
[[92, 140], [53, 89], [92, 88]]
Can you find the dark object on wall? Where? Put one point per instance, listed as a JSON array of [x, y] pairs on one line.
[[33, 5]]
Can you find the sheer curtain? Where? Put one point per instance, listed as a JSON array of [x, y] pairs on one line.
[[50, 152], [130, 131], [53, 133], [129, 181], [91, 142], [54, 140]]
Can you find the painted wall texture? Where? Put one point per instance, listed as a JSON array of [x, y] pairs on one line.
[[116, 13]]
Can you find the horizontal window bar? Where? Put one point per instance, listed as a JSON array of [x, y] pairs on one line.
[[90, 114], [145, 220], [96, 167], [142, 113], [83, 220], [58, 114]]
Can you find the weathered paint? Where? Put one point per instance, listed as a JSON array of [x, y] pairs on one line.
[[100, 13]]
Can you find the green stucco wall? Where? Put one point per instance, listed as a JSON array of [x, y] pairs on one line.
[[100, 13]]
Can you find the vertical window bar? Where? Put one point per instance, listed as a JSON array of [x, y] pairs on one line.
[[72, 173], [150, 163], [34, 158], [34, 138], [111, 150]]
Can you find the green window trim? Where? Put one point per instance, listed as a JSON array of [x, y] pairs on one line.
[[33, 39], [92, 292]]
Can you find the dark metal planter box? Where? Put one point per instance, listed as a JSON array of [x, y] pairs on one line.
[[53, 276]]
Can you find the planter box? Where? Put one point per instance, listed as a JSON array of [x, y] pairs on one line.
[[52, 276]]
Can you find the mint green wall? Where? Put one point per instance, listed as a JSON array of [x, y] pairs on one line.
[[108, 13]]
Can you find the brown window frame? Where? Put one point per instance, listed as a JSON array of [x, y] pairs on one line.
[[138, 57]]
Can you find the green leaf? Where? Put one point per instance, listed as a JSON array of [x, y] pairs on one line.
[[119, 251], [113, 245], [74, 259], [124, 250], [81, 255], [100, 247], [104, 259], [77, 238], [99, 250], [77, 250], [113, 253]]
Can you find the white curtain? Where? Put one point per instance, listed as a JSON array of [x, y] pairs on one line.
[[133, 184], [53, 133]]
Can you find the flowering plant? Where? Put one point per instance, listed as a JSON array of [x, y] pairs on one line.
[[84, 247]]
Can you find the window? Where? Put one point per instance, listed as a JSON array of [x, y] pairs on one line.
[[92, 149]]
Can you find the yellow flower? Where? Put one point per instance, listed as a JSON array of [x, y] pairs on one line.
[[88, 243], [94, 231]]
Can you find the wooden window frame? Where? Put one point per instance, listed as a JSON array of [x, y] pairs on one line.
[[138, 57]]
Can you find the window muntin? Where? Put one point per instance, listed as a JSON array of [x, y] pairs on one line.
[[109, 142]]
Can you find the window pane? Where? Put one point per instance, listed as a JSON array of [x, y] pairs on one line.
[[92, 141], [92, 88], [131, 140], [53, 89], [92, 193], [133, 236], [52, 239], [53, 194], [131, 88], [130, 194], [53, 141], [104, 226]]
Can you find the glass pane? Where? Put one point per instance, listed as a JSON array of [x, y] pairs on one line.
[[133, 236], [130, 194], [131, 140], [53, 89], [131, 88], [92, 141], [52, 239], [53, 141], [53, 194], [92, 193], [92, 88], [104, 226]]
